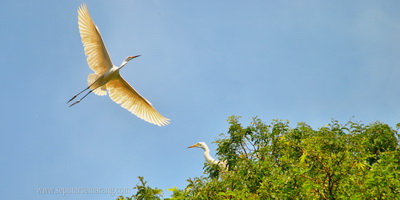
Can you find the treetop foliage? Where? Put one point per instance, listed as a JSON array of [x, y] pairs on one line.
[[275, 161]]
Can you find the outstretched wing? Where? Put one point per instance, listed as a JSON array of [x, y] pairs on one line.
[[95, 50], [122, 93]]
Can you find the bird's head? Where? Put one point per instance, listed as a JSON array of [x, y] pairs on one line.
[[130, 58], [199, 145], [127, 59]]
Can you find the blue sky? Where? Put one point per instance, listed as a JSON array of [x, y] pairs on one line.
[[202, 61]]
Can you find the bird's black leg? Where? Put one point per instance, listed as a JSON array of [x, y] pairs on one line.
[[77, 94], [83, 96], [81, 93]]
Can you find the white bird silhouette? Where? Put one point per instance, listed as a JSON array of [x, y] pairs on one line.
[[107, 76], [207, 156]]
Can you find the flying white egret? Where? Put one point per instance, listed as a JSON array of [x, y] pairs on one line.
[[107, 76], [208, 157]]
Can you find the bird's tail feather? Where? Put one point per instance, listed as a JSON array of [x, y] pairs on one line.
[[101, 91]]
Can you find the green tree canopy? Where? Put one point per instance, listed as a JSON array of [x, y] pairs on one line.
[[275, 161]]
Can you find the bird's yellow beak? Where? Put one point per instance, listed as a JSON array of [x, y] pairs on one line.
[[195, 145], [132, 57]]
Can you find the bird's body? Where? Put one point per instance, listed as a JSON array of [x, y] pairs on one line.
[[207, 156], [107, 77]]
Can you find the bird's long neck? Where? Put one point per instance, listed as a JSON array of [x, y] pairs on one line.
[[207, 155], [123, 64]]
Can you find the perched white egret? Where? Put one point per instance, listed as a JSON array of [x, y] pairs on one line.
[[208, 157], [107, 76]]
